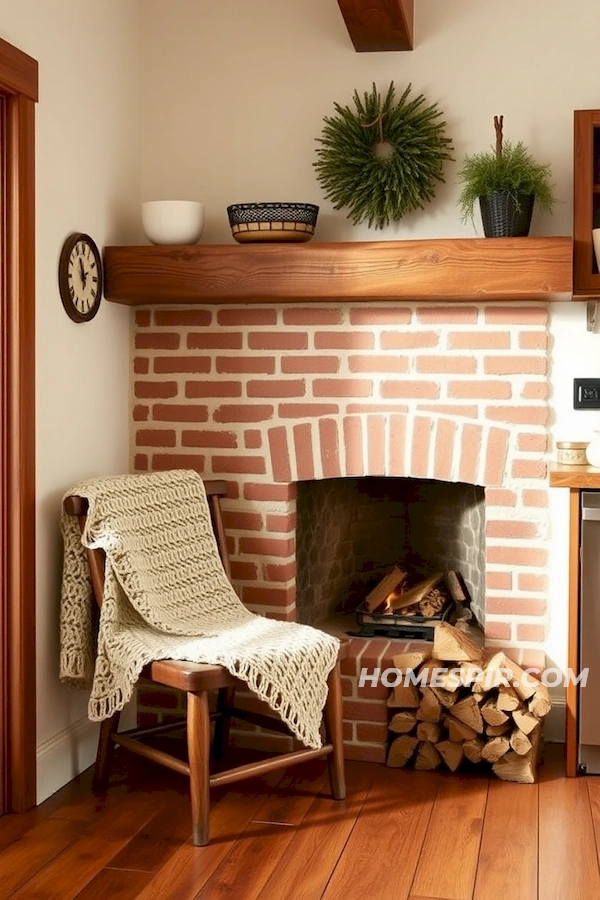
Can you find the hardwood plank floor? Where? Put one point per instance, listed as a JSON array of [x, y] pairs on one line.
[[454, 836], [568, 857], [391, 830], [507, 865], [322, 839], [400, 835]]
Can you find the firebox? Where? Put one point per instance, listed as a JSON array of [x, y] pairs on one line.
[[351, 532]]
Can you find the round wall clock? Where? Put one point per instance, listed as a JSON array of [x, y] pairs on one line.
[[80, 277]]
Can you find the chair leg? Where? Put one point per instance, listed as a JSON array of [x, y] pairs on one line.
[[225, 701], [335, 734], [105, 752], [198, 738]]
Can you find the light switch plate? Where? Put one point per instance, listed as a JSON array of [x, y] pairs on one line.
[[586, 393]]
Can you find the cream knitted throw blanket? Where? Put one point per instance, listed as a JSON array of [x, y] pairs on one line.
[[166, 596]]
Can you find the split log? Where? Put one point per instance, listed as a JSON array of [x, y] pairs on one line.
[[524, 684], [491, 714], [401, 751], [453, 645], [500, 671], [410, 662], [429, 731], [439, 675], [433, 670], [403, 722], [508, 699], [453, 679], [523, 769], [427, 757], [495, 748], [473, 749], [540, 704], [455, 587], [430, 709], [451, 752], [468, 711], [458, 731], [469, 673], [384, 588], [433, 603], [526, 721], [446, 698], [520, 742], [399, 599], [493, 673], [404, 696], [497, 730]]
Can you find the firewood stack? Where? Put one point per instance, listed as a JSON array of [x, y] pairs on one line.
[[468, 704]]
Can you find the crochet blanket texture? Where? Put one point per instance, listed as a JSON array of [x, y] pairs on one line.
[[166, 596]]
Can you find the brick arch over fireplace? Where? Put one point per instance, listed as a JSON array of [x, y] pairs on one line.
[[394, 445], [428, 446]]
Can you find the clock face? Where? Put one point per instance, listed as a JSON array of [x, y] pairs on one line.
[[80, 277]]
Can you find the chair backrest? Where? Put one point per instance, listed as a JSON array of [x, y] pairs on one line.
[[78, 506]]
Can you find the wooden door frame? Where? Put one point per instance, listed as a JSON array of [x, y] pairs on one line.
[[19, 87]]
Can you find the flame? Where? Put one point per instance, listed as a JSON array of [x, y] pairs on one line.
[[389, 601]]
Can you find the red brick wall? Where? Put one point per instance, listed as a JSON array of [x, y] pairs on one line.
[[266, 395]]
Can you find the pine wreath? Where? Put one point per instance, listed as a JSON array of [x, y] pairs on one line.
[[381, 160]]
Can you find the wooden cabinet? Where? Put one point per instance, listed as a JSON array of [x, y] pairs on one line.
[[586, 202]]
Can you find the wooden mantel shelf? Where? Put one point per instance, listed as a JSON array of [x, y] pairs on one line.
[[450, 270]]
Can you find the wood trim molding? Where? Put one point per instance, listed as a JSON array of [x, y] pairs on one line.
[[449, 270], [18, 72], [17, 393], [375, 25], [572, 698]]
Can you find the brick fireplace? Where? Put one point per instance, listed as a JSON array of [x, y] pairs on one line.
[[269, 396]]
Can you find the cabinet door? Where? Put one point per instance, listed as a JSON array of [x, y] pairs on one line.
[[586, 201]]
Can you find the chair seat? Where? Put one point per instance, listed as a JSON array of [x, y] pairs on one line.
[[189, 676]]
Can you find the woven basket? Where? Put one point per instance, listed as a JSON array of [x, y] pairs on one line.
[[506, 215], [260, 222]]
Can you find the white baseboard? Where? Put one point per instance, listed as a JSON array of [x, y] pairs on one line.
[[64, 756], [68, 753], [554, 723]]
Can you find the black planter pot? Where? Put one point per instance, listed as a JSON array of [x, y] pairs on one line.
[[504, 215]]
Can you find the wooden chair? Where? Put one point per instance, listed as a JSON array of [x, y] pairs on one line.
[[197, 680]]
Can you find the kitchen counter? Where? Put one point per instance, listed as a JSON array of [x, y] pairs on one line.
[[574, 476]]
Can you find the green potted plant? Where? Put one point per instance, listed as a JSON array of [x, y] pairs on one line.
[[505, 180]]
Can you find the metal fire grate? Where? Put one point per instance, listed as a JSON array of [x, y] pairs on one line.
[[397, 625]]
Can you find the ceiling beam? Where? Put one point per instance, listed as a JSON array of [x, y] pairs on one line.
[[376, 25]]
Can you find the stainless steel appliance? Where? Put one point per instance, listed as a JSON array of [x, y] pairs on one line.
[[589, 633]]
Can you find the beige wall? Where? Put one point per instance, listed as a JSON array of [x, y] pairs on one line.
[[234, 94], [87, 180]]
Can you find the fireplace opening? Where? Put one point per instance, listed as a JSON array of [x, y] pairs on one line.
[[351, 531]]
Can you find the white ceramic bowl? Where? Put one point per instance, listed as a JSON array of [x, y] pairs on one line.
[[173, 221]]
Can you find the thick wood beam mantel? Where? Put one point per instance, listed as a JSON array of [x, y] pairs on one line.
[[379, 24], [448, 270]]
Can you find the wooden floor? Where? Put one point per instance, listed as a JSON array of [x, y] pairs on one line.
[[400, 835]]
